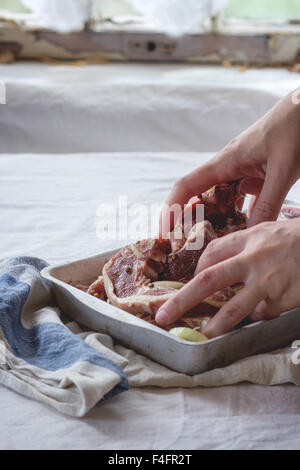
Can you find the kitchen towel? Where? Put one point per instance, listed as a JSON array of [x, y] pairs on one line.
[[72, 369], [39, 356]]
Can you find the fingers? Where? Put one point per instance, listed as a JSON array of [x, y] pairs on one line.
[[252, 185], [190, 185], [203, 285], [270, 199], [220, 249], [234, 311], [224, 167]]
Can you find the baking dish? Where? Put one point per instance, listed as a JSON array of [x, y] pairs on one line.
[[154, 342]]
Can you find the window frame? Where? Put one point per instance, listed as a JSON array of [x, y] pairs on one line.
[[225, 24], [232, 42]]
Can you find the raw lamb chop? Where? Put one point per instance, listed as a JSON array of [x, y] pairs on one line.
[[141, 277]]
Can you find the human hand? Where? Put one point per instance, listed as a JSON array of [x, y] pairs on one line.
[[266, 155], [266, 258]]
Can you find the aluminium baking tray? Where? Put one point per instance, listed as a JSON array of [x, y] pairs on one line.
[[154, 342]]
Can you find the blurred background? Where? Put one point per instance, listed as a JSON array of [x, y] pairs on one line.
[[129, 75], [256, 9]]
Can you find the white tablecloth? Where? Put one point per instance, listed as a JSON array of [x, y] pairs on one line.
[[119, 107], [48, 205]]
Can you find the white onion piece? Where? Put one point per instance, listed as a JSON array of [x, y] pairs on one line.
[[188, 334], [237, 289], [213, 302]]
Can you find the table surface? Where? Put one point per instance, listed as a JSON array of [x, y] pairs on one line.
[[72, 138], [133, 107], [48, 209]]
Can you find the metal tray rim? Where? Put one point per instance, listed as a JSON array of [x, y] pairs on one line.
[[81, 296]]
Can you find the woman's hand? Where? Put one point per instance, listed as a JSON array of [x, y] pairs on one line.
[[266, 155], [265, 257]]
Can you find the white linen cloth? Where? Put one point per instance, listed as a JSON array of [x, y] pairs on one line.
[[176, 17], [63, 16], [50, 211], [133, 107], [172, 16]]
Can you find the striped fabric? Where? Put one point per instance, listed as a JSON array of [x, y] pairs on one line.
[[39, 356]]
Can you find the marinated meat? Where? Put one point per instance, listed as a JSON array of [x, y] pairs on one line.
[[142, 276]]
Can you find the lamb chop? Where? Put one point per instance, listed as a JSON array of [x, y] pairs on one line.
[[142, 276]]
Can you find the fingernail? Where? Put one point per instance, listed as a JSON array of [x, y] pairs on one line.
[[162, 317]]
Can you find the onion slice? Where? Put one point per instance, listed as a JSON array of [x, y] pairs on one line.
[[188, 334], [213, 302], [173, 284]]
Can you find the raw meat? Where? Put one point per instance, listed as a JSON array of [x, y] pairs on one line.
[[141, 277]]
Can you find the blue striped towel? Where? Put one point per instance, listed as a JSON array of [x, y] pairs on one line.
[[39, 356]]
